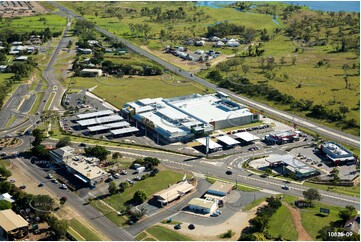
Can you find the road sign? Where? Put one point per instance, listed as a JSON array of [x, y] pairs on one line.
[[325, 210]]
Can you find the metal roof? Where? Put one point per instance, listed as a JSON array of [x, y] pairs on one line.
[[124, 130], [101, 120], [174, 191], [228, 140], [292, 162], [10, 220], [94, 114], [203, 203], [108, 126], [219, 186], [246, 136], [212, 144]]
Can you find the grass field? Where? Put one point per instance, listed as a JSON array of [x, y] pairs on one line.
[[253, 204], [118, 91], [164, 234], [49, 101], [39, 99], [56, 23], [350, 191], [281, 224], [151, 185], [84, 231], [4, 162]]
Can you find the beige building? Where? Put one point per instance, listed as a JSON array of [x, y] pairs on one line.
[[12, 225], [202, 205], [220, 188], [173, 192]]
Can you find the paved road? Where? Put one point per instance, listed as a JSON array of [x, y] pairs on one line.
[[329, 132], [87, 212]]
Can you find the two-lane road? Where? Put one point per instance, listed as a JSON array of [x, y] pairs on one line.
[[320, 129]]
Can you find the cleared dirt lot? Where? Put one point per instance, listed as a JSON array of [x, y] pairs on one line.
[[11, 9]]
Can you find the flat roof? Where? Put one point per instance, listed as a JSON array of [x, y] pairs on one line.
[[336, 150], [108, 126], [209, 108], [124, 130], [94, 114], [174, 191], [212, 144], [228, 140], [246, 136], [219, 186], [9, 220], [100, 120], [88, 171], [291, 161], [199, 202], [283, 133]]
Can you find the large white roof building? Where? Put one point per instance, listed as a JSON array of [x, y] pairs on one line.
[[180, 118]]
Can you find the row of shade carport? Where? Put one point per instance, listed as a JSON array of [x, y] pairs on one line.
[[228, 141], [102, 121]]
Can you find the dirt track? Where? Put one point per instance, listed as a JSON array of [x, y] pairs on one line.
[[296, 217]]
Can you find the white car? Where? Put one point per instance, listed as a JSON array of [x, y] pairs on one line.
[[63, 186], [116, 175]]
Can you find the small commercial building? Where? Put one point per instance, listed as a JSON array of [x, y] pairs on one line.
[[85, 169], [291, 165], [91, 72], [281, 137], [12, 225], [62, 154], [229, 142], [246, 137], [336, 152], [201, 205], [99, 120], [173, 192], [220, 188]]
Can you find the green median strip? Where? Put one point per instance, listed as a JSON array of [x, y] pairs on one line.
[[39, 97], [75, 234], [50, 100], [10, 121], [83, 231]]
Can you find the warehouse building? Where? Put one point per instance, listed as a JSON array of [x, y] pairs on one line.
[[220, 188], [173, 192], [337, 153], [187, 117], [291, 165], [201, 205]]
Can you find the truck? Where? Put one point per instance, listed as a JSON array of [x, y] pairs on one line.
[[140, 169]]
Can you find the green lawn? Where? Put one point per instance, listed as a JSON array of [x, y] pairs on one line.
[[56, 23], [49, 101], [281, 223], [4, 162], [253, 204], [151, 185], [164, 234], [122, 90], [141, 236], [84, 231], [39, 99], [350, 191]]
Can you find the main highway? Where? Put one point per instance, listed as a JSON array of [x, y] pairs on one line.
[[322, 130]]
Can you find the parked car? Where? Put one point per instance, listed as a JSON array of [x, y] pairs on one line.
[[63, 186], [214, 214], [54, 181], [130, 181], [22, 187], [41, 184], [137, 178], [178, 226], [229, 172], [319, 165], [116, 175], [124, 172], [50, 176], [191, 226]]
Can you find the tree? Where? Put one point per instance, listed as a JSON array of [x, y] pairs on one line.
[[311, 195], [97, 151], [245, 69], [39, 137], [215, 76], [116, 155], [150, 162], [112, 188], [63, 142], [59, 227], [40, 152], [283, 60], [5, 173], [347, 214], [123, 186], [139, 197], [294, 60], [5, 205]]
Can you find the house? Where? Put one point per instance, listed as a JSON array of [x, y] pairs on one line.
[[61, 154], [91, 72], [6, 197], [3, 68], [85, 51], [202, 205], [12, 225], [220, 188]]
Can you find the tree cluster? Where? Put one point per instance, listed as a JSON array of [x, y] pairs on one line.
[[260, 223], [148, 162], [224, 29], [97, 151]]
